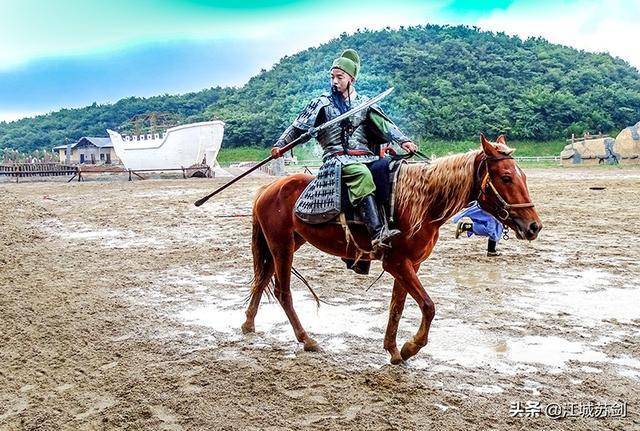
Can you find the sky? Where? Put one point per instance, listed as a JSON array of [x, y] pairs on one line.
[[71, 53]]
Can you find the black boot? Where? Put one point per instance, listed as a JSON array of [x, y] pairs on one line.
[[491, 248], [381, 235], [359, 267]]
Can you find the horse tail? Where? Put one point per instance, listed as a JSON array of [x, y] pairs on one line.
[[263, 266]]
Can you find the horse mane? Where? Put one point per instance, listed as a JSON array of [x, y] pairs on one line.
[[444, 184]]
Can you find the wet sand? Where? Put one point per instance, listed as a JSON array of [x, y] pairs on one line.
[[121, 303]]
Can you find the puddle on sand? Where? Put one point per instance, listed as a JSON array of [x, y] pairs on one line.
[[171, 193], [107, 237], [156, 236], [552, 351], [532, 386], [227, 314], [481, 389], [206, 282], [586, 297], [456, 342], [451, 341]]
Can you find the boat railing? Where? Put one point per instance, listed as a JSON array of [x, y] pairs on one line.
[[147, 137]]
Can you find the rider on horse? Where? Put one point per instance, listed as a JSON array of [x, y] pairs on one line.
[[349, 146]]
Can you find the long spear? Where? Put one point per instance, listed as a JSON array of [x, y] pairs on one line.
[[312, 132]]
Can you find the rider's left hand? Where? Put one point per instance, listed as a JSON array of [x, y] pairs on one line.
[[409, 146]]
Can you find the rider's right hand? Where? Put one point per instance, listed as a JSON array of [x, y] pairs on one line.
[[276, 152]]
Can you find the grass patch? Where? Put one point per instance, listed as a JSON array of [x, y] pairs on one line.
[[227, 156], [523, 148], [539, 164], [311, 150]]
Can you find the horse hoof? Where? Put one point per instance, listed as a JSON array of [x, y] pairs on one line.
[[395, 355], [311, 345], [396, 359], [409, 349], [248, 328]]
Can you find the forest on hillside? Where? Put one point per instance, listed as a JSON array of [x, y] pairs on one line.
[[450, 83]]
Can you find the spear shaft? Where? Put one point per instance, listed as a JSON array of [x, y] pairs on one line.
[[312, 132]]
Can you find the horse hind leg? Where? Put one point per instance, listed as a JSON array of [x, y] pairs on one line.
[[283, 260], [263, 271], [254, 302]]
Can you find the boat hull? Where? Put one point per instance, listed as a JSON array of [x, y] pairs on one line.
[[180, 146]]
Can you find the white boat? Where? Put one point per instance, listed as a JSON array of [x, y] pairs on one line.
[[178, 147]]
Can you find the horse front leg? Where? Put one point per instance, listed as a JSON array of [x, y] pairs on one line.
[[395, 313], [405, 273]]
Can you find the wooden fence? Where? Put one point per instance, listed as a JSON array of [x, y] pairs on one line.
[[585, 137], [194, 170], [537, 158], [21, 170]]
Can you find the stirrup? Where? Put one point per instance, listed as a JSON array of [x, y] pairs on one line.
[[384, 238]]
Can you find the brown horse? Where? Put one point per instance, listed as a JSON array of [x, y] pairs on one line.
[[426, 196]]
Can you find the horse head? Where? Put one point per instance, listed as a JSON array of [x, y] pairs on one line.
[[503, 189]]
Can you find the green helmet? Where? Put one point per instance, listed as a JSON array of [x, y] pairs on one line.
[[349, 61]]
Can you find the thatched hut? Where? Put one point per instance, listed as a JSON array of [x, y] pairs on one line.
[[590, 152], [628, 144]]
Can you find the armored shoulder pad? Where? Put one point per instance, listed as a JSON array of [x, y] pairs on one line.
[[307, 118], [378, 110], [393, 133]]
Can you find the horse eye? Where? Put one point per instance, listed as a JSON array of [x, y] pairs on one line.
[[506, 179]]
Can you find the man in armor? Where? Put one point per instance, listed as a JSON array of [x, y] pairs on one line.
[[348, 146]]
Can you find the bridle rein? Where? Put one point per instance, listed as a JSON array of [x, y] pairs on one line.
[[504, 209]]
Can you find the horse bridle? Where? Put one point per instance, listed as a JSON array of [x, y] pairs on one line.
[[504, 210]]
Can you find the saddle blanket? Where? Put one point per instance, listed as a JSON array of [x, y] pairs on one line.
[[325, 196]]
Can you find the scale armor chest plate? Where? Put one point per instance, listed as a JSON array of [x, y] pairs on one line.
[[332, 140]]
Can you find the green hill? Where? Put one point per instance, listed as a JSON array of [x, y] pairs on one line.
[[451, 83]]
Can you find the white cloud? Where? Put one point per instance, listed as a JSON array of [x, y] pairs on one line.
[[12, 116], [611, 26]]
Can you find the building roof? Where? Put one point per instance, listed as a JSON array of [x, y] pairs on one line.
[[98, 142]]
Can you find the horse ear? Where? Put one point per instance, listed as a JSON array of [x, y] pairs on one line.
[[501, 139], [483, 140], [487, 147]]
